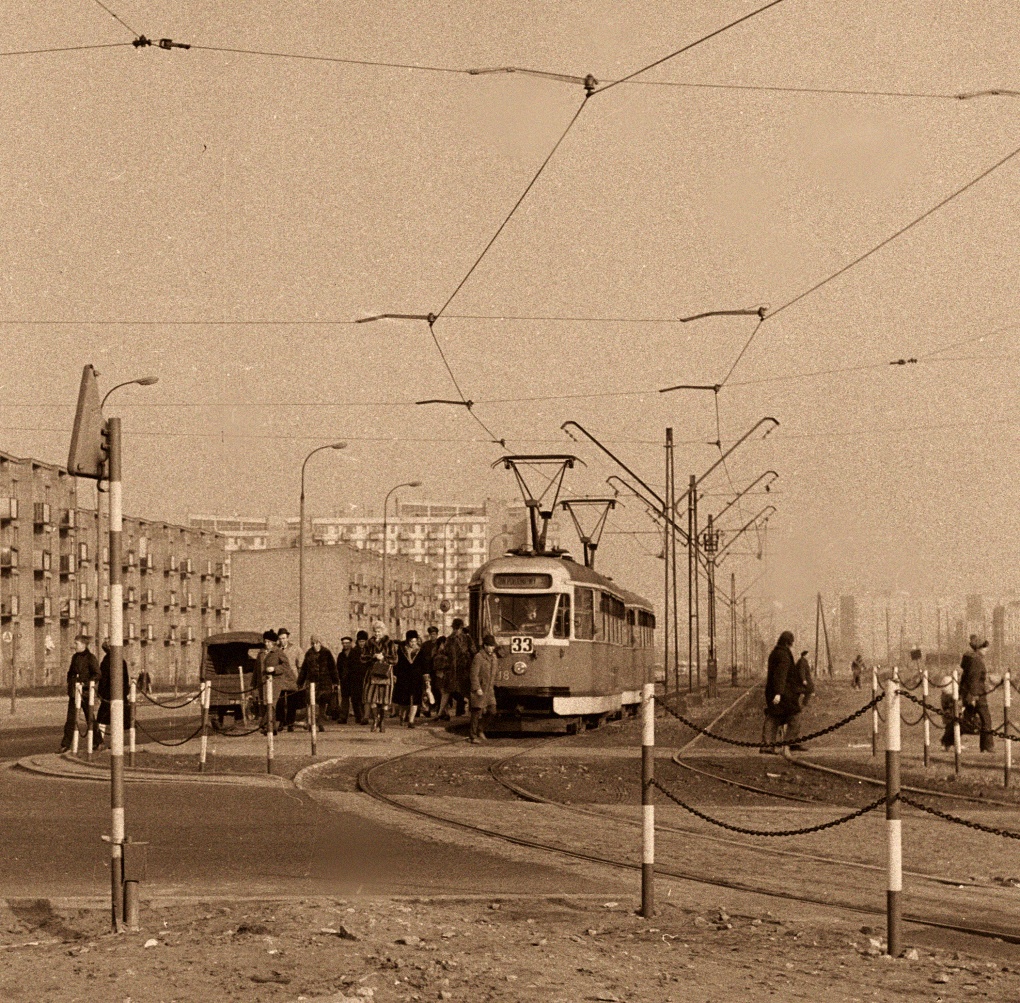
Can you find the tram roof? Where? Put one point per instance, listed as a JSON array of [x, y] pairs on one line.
[[577, 573]]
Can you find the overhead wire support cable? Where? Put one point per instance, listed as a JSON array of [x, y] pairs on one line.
[[689, 46], [116, 17], [873, 250], [65, 48]]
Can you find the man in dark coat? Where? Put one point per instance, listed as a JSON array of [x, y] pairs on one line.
[[461, 651], [805, 679], [104, 693], [782, 696], [359, 662], [319, 667], [973, 689], [343, 672], [84, 668]]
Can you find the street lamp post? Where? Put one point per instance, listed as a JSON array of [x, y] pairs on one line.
[[301, 542], [385, 543], [446, 547], [117, 826]]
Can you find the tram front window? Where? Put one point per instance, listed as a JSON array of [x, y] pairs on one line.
[[516, 614]]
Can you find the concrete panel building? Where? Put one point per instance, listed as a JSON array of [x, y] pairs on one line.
[[343, 592], [54, 566]]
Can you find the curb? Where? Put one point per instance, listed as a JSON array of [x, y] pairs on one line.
[[60, 766]]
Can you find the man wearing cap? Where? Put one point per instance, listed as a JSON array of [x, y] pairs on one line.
[[343, 672], [482, 699], [319, 667], [84, 668], [358, 663], [782, 696], [973, 689]]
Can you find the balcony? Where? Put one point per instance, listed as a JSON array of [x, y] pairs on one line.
[[8, 509], [146, 563], [68, 609], [10, 607], [68, 520], [67, 566], [44, 608], [41, 515], [42, 563]]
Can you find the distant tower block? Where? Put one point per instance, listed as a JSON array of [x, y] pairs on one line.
[[848, 626]]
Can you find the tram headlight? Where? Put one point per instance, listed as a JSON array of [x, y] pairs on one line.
[[520, 668]]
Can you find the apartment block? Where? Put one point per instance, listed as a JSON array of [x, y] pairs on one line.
[[343, 592], [54, 573]]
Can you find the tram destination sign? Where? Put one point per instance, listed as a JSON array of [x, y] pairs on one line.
[[521, 581]]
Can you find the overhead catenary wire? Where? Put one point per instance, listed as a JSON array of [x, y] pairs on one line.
[[832, 276], [117, 18], [65, 48], [689, 46]]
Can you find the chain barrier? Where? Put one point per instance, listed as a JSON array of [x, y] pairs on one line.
[[1014, 686], [775, 745], [169, 706], [169, 745], [916, 686], [945, 816], [821, 827], [232, 691], [239, 734]]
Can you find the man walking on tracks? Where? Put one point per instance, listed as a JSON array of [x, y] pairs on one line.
[[83, 669], [782, 696], [973, 689], [482, 698]]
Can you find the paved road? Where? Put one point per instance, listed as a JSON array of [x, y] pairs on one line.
[[226, 840], [30, 741]]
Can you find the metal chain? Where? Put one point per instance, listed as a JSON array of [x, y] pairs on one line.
[[920, 806], [773, 745], [172, 706], [877, 803], [239, 734], [168, 745]]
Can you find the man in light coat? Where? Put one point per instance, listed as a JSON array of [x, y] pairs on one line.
[[482, 698]]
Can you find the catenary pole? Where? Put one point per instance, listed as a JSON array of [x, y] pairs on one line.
[[692, 573], [874, 711], [673, 562], [926, 723], [957, 745], [666, 577], [116, 676], [733, 628]]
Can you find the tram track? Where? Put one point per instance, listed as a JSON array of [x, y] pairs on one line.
[[366, 782]]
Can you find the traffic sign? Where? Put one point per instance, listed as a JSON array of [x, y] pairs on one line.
[[87, 455], [444, 606], [8, 637]]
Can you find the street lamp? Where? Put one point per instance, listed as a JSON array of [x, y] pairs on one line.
[[495, 538], [385, 541], [143, 381], [301, 542]]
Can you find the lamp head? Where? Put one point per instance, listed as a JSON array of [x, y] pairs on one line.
[[339, 445], [147, 381], [414, 484]]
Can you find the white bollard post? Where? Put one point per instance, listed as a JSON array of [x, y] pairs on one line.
[[90, 716], [312, 721], [647, 806], [894, 830], [77, 714], [924, 719], [241, 695], [132, 712], [270, 724], [204, 746], [1007, 763], [874, 711], [957, 744]]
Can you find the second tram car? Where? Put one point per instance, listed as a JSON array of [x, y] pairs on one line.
[[572, 643]]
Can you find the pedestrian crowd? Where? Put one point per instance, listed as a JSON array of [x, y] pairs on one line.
[[373, 678]]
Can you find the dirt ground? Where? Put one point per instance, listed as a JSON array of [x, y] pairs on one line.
[[474, 950]]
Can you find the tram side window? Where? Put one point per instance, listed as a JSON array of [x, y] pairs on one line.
[[584, 614], [613, 619], [561, 626]]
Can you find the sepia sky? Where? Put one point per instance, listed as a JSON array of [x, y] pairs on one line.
[[207, 188]]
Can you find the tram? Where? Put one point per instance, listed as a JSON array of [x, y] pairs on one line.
[[572, 644]]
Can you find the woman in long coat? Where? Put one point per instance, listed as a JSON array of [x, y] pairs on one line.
[[483, 687], [409, 687]]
